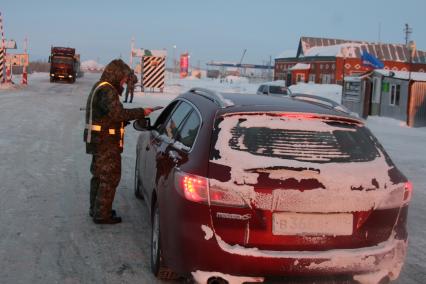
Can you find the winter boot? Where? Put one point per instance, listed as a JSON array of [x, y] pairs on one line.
[[111, 220]]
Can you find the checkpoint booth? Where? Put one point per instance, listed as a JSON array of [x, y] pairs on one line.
[[153, 69]]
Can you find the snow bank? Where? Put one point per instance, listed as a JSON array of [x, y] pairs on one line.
[[91, 65], [329, 91], [237, 79], [176, 86], [10, 86]]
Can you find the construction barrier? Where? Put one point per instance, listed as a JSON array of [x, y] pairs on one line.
[[153, 68]]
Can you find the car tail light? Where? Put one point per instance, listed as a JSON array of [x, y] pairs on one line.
[[408, 191], [196, 188], [192, 187], [224, 196]]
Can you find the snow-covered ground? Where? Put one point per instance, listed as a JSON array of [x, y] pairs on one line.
[[46, 235], [329, 91]]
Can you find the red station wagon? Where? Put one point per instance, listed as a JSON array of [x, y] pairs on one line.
[[248, 188]]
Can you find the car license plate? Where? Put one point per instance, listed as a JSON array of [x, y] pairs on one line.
[[331, 224]]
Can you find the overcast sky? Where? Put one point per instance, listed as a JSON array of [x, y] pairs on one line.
[[208, 30]]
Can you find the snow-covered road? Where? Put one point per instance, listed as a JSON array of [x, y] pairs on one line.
[[46, 235]]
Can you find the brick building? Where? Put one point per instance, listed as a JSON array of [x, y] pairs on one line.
[[326, 61]]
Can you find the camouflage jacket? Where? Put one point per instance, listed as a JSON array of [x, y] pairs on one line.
[[108, 117], [133, 79]]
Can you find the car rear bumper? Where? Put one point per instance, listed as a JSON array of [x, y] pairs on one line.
[[385, 259]]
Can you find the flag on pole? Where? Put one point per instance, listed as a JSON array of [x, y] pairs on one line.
[[371, 61]]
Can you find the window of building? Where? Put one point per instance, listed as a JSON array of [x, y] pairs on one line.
[[326, 78], [312, 78], [352, 91], [395, 93], [300, 77]]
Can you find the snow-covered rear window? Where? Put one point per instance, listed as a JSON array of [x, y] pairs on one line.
[[296, 138]]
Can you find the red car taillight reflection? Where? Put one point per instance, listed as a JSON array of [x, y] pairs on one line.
[[408, 191], [196, 188]]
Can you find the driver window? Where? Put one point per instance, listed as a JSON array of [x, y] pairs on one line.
[[162, 118], [189, 130], [175, 120]]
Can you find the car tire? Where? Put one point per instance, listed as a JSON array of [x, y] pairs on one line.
[[137, 184], [157, 262]]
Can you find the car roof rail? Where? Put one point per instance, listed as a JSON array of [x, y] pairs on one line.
[[213, 96], [321, 100]]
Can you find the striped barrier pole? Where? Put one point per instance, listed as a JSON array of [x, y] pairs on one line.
[[24, 70], [2, 51], [24, 76]]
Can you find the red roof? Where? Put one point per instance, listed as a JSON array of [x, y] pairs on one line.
[[383, 51]]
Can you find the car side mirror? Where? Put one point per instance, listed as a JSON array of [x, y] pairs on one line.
[[142, 124]]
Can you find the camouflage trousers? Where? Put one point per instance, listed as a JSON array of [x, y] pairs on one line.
[[131, 91], [106, 174]]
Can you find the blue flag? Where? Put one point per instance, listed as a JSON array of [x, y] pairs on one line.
[[371, 61]]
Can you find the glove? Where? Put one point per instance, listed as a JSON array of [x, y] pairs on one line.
[[147, 111]]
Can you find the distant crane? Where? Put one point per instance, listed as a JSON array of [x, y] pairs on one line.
[[241, 60]]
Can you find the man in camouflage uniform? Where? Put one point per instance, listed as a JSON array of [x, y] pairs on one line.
[[103, 134], [131, 82]]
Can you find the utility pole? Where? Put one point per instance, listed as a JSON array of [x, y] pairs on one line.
[[407, 31], [174, 60], [132, 46]]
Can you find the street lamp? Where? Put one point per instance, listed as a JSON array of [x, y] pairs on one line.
[[174, 59]]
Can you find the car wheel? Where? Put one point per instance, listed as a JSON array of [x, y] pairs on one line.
[[157, 262], [137, 184]]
